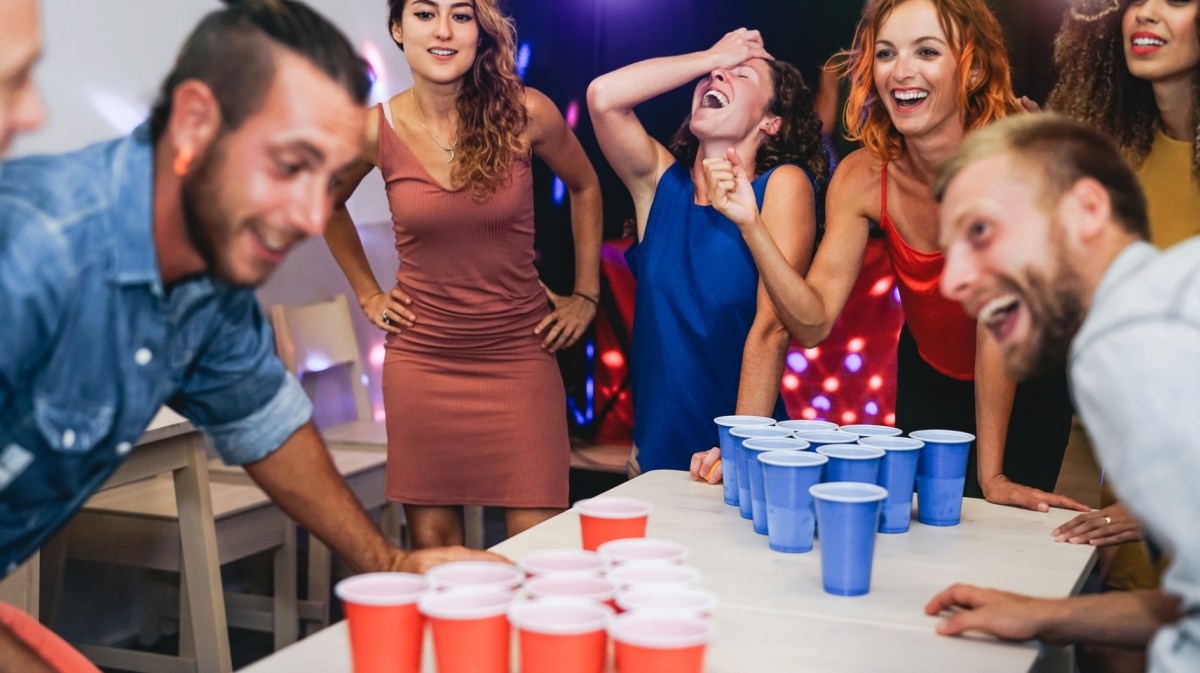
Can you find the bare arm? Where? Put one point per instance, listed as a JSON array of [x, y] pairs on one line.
[[342, 237], [301, 478], [553, 141], [15, 657], [1120, 618], [994, 392], [637, 158]]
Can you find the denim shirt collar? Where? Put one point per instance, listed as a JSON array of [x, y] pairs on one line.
[[133, 226]]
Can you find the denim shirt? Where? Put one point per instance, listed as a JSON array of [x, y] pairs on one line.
[[92, 344], [1135, 376]]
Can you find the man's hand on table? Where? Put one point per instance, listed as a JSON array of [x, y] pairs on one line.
[[706, 466], [999, 613], [999, 490], [1103, 527], [420, 561]]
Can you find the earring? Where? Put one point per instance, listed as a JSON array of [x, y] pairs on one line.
[[183, 160]]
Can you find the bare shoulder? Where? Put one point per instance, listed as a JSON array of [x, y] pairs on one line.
[[860, 169], [855, 186], [789, 178]]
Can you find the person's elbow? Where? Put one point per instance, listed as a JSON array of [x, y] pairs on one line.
[[600, 96]]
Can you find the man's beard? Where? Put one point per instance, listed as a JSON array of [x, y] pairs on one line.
[[1056, 312], [208, 229]]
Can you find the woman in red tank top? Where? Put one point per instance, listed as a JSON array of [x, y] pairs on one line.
[[474, 399], [915, 93]]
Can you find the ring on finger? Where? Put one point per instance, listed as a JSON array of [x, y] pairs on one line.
[[1107, 520], [383, 315]]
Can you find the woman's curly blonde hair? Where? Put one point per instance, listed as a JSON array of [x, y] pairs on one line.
[[491, 106], [985, 83], [1095, 85]]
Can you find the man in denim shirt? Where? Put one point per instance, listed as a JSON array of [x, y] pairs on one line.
[[127, 272], [1044, 227]]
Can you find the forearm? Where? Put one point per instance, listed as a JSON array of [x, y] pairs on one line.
[[342, 237], [15, 657], [587, 228], [302, 480], [1120, 618], [799, 306], [622, 90], [762, 367], [994, 392]]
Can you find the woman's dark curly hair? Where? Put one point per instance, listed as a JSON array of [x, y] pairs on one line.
[[1096, 87], [798, 140]]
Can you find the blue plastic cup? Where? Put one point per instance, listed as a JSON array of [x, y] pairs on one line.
[[852, 462], [787, 477], [848, 514], [740, 435], [941, 474], [754, 448], [726, 444], [807, 426], [819, 438], [867, 430], [898, 474]]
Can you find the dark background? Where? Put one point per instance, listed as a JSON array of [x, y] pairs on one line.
[[573, 41]]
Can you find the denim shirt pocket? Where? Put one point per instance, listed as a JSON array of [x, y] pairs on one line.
[[72, 426]]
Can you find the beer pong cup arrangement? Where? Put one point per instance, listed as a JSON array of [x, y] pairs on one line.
[[556, 561], [754, 448], [725, 442], [643, 549], [470, 629], [649, 642], [848, 516], [941, 474], [819, 438], [604, 519], [561, 635], [806, 426], [476, 574], [787, 476], [386, 628], [585, 587], [692, 601], [740, 435], [866, 430], [852, 462], [642, 573], [898, 474]]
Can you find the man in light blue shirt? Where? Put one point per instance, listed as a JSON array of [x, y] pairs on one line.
[[1044, 227], [127, 272]]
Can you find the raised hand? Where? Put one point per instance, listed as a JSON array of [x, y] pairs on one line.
[[738, 47], [729, 188]]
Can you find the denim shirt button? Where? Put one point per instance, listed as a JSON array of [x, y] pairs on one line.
[[68, 438], [124, 448], [143, 356]]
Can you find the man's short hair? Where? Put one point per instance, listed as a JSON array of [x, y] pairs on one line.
[[1064, 151], [231, 51]]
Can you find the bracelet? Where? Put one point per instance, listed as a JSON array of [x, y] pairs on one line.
[[595, 302]]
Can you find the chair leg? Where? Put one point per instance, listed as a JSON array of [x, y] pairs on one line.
[[286, 617]]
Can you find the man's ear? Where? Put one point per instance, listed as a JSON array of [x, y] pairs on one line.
[[1086, 211], [195, 117]]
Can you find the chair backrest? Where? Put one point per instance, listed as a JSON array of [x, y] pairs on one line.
[[317, 337]]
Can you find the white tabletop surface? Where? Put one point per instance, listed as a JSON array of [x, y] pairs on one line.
[[773, 614]]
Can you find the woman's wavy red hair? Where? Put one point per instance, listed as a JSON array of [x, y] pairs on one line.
[[985, 83]]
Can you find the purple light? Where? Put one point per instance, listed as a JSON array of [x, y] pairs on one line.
[[572, 113], [896, 294], [821, 402], [797, 362], [560, 191], [854, 362], [524, 52], [871, 408]]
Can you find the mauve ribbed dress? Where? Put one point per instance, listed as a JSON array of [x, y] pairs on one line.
[[476, 412]]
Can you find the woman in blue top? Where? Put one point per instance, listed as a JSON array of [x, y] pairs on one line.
[[706, 340]]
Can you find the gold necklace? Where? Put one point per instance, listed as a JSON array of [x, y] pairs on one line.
[[421, 121]]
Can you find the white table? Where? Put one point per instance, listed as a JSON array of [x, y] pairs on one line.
[[773, 614]]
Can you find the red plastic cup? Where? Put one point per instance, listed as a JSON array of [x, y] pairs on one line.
[[653, 643], [643, 549], [561, 635], [587, 587], [603, 519], [657, 573], [476, 574], [561, 561], [386, 628], [675, 600], [470, 629]]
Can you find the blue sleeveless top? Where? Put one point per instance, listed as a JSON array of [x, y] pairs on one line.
[[697, 291]]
